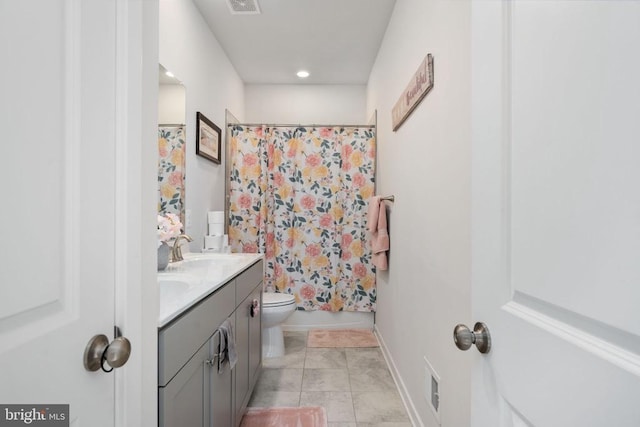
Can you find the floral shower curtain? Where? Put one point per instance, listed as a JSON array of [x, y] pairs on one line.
[[300, 196]]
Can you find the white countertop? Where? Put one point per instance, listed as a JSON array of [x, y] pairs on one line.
[[187, 282]]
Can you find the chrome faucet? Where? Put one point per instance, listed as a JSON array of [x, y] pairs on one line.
[[176, 252]]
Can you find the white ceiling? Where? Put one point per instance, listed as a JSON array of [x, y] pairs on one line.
[[335, 40]]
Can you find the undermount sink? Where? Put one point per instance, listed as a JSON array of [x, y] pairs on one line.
[[214, 264], [210, 262], [173, 285], [220, 257], [186, 282]]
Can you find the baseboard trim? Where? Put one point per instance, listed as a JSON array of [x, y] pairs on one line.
[[307, 320], [404, 394]]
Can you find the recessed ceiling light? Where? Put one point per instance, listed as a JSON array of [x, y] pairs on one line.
[[169, 73], [302, 74]]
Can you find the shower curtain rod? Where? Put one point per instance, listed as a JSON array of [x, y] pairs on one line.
[[299, 125]]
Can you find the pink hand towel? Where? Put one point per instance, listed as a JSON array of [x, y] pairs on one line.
[[372, 215], [379, 234]]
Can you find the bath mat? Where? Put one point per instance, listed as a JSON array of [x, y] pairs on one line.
[[305, 416], [342, 338]]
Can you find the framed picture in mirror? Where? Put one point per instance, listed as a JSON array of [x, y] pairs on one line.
[[208, 138]]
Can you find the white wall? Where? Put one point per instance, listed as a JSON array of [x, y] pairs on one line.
[[306, 104], [171, 104], [426, 165], [192, 53]]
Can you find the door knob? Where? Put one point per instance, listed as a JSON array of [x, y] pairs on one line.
[[465, 338], [99, 350]]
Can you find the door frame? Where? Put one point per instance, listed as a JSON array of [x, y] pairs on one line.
[[136, 308]]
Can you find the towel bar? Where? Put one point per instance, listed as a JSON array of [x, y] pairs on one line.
[[388, 198]]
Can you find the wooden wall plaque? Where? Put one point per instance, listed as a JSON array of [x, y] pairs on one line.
[[416, 90]]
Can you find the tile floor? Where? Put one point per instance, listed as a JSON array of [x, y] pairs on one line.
[[353, 384]]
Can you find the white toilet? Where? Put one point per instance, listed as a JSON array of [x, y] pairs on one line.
[[276, 307]]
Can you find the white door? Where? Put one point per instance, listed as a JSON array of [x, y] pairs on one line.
[[58, 192], [556, 212]]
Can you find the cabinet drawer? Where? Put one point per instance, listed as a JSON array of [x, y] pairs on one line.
[[178, 341], [248, 280]]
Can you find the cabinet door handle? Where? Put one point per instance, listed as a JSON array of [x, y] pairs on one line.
[[255, 307], [213, 360]]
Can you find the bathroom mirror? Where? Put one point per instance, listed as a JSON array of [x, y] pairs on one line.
[[171, 144]]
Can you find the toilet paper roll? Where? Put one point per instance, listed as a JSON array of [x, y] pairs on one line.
[[213, 242], [213, 250], [215, 217], [216, 229]]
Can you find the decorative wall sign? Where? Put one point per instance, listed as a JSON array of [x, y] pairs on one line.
[[208, 139], [416, 90]]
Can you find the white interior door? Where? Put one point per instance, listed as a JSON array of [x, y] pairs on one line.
[[556, 212], [58, 173]]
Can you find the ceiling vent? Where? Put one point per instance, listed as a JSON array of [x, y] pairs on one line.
[[243, 7]]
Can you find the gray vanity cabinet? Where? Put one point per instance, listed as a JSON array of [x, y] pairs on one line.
[[249, 344], [182, 400], [255, 340], [200, 393], [195, 389]]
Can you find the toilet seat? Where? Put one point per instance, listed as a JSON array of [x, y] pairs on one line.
[[274, 299]]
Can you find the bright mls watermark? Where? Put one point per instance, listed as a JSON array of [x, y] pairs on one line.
[[34, 415]]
